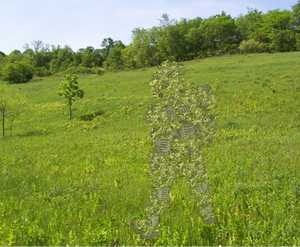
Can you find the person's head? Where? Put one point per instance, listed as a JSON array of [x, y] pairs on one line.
[[168, 76]]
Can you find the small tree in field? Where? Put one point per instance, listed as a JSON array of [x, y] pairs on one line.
[[69, 90], [3, 107], [12, 104]]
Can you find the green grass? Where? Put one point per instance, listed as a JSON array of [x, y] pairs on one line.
[[81, 182]]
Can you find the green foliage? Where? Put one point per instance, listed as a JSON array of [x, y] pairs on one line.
[[219, 32], [107, 44], [195, 40], [12, 105], [296, 15], [62, 59], [42, 71], [250, 46], [297, 37], [70, 90], [128, 57], [277, 31], [144, 47], [14, 56], [283, 40], [17, 72], [166, 21], [89, 57], [4, 105], [80, 70], [174, 44], [99, 71], [2, 56], [247, 25], [81, 182], [114, 60]]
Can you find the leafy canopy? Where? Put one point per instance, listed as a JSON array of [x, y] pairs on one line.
[[69, 88]]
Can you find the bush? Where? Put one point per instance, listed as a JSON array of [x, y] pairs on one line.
[[99, 70], [202, 55], [233, 49], [265, 47], [250, 46], [17, 72], [42, 71], [80, 70]]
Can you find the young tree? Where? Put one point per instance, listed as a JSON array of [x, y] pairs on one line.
[[69, 90], [3, 107], [12, 104]]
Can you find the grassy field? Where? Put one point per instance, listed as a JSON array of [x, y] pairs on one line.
[[81, 182]]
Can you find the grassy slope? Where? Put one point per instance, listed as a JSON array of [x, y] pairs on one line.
[[82, 182]]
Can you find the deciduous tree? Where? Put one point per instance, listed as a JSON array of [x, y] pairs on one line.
[[12, 105], [70, 90]]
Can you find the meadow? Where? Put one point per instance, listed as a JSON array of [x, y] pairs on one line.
[[81, 182]]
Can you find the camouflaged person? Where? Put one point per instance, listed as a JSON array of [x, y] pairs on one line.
[[182, 121]]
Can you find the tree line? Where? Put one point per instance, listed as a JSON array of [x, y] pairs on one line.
[[274, 31]]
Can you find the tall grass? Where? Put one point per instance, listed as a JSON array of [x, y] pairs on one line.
[[81, 182]]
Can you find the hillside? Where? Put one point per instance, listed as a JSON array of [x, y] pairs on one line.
[[81, 182]]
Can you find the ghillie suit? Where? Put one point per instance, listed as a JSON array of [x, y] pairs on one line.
[[181, 123]]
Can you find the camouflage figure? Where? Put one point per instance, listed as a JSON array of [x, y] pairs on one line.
[[181, 123]]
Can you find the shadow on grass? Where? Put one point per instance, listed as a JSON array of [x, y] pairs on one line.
[[230, 125], [91, 116], [33, 133]]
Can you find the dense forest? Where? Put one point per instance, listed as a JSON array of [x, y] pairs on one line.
[[274, 31]]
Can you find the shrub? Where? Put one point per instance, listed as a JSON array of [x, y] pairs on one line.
[[17, 72], [99, 70], [42, 71], [80, 70], [250, 46]]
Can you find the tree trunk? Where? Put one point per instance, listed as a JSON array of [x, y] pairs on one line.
[[70, 108], [3, 118]]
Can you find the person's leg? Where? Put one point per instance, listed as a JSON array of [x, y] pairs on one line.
[[196, 176], [165, 175]]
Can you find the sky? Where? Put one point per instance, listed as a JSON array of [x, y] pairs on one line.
[[82, 23]]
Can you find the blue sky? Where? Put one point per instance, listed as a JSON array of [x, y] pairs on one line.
[[82, 23]]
